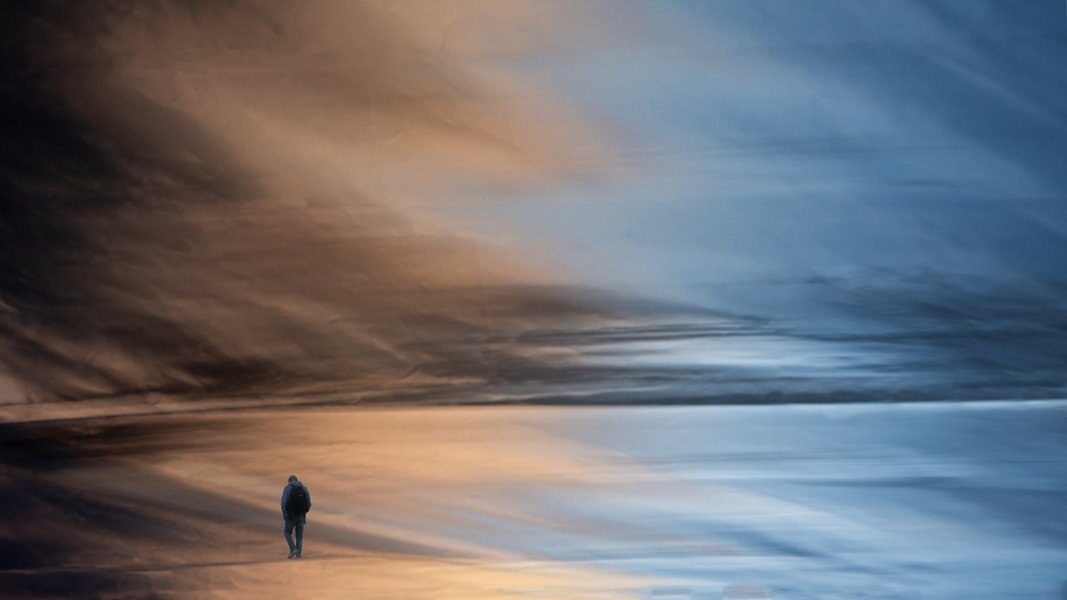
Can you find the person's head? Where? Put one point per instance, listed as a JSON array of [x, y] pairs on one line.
[[292, 478]]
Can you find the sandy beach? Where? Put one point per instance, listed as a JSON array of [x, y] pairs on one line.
[[854, 501]]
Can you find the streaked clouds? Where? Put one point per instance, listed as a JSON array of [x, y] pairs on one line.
[[840, 201]]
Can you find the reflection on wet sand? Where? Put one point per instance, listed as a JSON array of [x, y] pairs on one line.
[[879, 501]]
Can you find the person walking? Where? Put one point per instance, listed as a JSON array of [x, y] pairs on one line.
[[296, 502]]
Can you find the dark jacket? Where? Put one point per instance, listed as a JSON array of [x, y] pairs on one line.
[[285, 496]]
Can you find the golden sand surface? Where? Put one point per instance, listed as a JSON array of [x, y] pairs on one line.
[[408, 503]]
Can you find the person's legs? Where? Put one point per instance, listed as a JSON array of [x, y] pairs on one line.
[[299, 535], [289, 524]]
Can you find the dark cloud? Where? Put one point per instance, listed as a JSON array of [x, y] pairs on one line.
[[204, 200], [144, 251]]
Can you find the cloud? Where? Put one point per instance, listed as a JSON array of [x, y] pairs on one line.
[[316, 199], [201, 198]]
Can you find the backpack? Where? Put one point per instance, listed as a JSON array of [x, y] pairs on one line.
[[298, 501]]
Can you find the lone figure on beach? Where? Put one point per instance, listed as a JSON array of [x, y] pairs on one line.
[[296, 502]]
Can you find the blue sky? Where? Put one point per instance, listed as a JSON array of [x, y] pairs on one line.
[[840, 169], [772, 140]]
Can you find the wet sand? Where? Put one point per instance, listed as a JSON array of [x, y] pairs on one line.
[[854, 501]]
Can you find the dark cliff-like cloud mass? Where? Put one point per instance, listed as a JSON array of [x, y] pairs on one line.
[[183, 210]]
